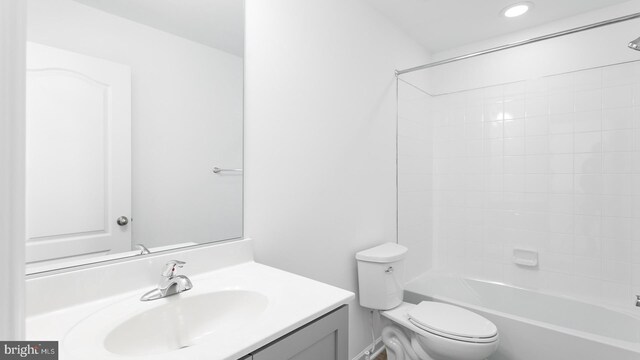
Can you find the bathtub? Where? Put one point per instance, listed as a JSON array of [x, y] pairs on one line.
[[536, 326]]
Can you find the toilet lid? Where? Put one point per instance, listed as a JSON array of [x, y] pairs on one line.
[[449, 320]]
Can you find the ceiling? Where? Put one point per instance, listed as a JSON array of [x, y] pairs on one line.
[[445, 24], [215, 23]]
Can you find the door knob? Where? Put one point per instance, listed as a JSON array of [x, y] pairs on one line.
[[122, 220]]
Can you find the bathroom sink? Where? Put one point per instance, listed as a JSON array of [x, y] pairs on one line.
[[181, 323], [230, 312], [173, 323]]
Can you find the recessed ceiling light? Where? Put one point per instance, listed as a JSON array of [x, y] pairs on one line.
[[517, 9]]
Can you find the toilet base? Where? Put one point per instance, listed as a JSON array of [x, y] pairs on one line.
[[405, 341], [399, 347]]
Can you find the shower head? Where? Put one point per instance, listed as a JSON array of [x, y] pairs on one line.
[[635, 44]]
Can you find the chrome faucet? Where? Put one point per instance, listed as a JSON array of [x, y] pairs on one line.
[[638, 300], [170, 283]]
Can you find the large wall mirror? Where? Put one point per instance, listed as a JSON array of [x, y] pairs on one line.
[[134, 127]]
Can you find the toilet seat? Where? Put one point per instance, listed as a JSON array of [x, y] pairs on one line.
[[452, 322]]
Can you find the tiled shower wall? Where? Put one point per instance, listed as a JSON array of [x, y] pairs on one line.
[[550, 165], [415, 178]]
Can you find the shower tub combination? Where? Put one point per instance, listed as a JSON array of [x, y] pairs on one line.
[[536, 326]]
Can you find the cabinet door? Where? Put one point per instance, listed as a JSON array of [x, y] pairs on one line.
[[323, 339]]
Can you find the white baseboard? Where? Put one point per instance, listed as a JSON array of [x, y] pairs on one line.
[[378, 349]]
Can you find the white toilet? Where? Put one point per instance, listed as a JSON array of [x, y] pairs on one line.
[[427, 331]]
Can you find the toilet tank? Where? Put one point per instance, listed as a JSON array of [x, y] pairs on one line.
[[381, 276]]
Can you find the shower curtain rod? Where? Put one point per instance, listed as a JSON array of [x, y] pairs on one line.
[[520, 43]]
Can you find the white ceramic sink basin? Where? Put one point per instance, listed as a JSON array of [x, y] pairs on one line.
[[133, 328], [183, 322]]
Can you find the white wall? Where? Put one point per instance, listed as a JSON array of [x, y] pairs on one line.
[[529, 156], [186, 119], [12, 182], [320, 137]]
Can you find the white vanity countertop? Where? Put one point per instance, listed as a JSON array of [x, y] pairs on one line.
[[293, 301]]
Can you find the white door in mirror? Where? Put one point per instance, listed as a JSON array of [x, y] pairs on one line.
[[78, 154]]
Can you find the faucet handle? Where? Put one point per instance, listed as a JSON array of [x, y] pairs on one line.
[[171, 266]]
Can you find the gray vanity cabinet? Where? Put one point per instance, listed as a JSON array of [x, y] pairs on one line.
[[325, 338]]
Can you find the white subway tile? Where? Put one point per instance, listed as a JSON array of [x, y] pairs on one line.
[[616, 250], [587, 142], [514, 146], [494, 147], [616, 119], [616, 271], [474, 114], [537, 125], [561, 164], [587, 246], [561, 103], [514, 128], [616, 97], [617, 205], [514, 108], [561, 223], [617, 162], [618, 184], [561, 123], [536, 164], [494, 129], [635, 252], [586, 266], [561, 243], [536, 183], [617, 75], [587, 121], [587, 204], [587, 225], [536, 145], [617, 228], [536, 202], [556, 262], [473, 130], [617, 140], [561, 203], [514, 164], [475, 147], [493, 110], [588, 184], [588, 163], [536, 106], [513, 183], [635, 277], [561, 144], [588, 100], [561, 183]]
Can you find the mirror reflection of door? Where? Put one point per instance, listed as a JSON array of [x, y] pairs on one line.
[[78, 155]]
